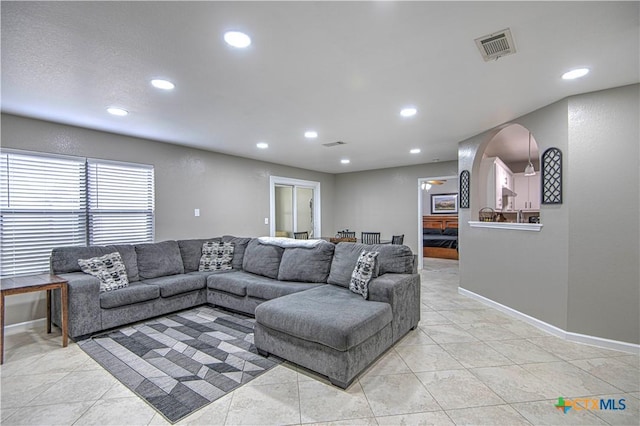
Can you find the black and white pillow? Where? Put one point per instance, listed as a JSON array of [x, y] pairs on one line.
[[109, 269], [216, 257], [363, 272]]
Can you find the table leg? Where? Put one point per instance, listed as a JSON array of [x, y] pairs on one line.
[[1, 327], [49, 311], [64, 314]]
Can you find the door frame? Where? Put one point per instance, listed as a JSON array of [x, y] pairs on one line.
[[279, 180], [420, 201]]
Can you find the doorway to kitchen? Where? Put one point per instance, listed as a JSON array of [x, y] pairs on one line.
[[295, 207]]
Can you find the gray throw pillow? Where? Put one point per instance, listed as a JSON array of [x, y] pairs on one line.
[[109, 269], [363, 272], [216, 257]]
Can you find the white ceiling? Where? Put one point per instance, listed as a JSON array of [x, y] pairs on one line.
[[344, 69]]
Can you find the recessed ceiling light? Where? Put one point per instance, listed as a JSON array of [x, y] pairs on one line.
[[162, 84], [577, 73], [310, 134], [345, 161], [237, 39], [117, 111], [262, 145], [415, 151], [408, 112]]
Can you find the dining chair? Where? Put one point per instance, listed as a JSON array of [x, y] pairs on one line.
[[301, 235], [397, 239], [346, 234], [370, 237]]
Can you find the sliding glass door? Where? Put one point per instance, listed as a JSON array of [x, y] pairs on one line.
[[294, 207]]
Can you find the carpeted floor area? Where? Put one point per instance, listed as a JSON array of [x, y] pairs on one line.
[[183, 361]]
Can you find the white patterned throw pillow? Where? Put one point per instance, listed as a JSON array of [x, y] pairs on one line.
[[216, 257], [363, 272], [109, 269]]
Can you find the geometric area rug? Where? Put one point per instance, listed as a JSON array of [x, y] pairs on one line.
[[183, 361]]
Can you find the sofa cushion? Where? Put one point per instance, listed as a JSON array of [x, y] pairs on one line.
[[133, 293], [177, 284], [262, 259], [64, 260], [216, 256], [393, 258], [191, 252], [239, 247], [363, 272], [306, 264], [227, 283], [109, 269], [328, 315], [159, 259]]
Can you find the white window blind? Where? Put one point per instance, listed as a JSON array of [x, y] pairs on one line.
[[49, 201], [121, 202], [42, 205]]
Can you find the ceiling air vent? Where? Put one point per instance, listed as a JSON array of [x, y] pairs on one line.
[[496, 45], [332, 144]]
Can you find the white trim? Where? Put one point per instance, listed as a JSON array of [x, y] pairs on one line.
[[24, 326], [615, 345], [317, 217], [536, 227]]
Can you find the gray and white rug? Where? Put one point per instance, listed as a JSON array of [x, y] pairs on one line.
[[183, 361]]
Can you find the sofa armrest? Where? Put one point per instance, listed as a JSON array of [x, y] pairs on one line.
[[84, 304], [402, 292]]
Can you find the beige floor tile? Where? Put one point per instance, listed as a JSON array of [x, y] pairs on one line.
[[213, 414], [568, 351], [488, 331], [415, 337], [447, 333], [475, 354], [19, 391], [523, 329], [616, 414], [458, 389], [159, 420], [5, 413], [352, 422], [283, 373], [464, 316], [65, 413], [569, 380], [522, 351], [77, 386], [435, 418], [431, 318], [632, 360], [515, 384], [427, 358], [389, 363], [325, 403], [495, 415], [262, 405], [545, 413], [611, 370], [115, 412], [397, 394]]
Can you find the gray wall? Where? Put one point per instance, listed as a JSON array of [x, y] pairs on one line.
[[232, 193], [576, 274], [604, 282], [385, 200]]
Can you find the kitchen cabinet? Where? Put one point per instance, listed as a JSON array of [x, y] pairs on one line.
[[528, 190], [500, 184]]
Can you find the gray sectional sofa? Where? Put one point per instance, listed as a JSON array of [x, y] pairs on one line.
[[297, 291]]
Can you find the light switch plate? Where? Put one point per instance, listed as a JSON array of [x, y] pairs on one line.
[[196, 212]]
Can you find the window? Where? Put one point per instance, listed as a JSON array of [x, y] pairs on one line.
[[49, 200]]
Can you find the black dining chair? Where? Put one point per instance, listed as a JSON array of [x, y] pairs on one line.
[[397, 239], [301, 235], [370, 237], [346, 234]]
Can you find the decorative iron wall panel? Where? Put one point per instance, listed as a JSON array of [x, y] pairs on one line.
[[465, 186], [552, 176]]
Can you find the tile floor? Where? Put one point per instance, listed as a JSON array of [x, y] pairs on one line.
[[465, 364]]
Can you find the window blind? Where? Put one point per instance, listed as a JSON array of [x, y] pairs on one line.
[[42, 205], [121, 202], [48, 201]]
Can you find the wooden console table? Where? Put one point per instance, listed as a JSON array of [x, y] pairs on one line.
[[28, 284]]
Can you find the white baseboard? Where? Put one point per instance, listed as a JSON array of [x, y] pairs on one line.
[[24, 326], [552, 329]]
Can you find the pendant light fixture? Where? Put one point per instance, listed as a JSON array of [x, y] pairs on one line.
[[529, 170]]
